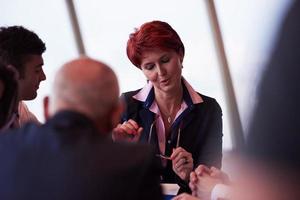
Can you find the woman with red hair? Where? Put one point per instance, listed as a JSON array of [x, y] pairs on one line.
[[184, 126]]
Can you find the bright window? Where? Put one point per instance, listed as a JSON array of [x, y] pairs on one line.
[[248, 28]]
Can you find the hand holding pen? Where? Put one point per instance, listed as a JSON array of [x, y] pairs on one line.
[[182, 162]]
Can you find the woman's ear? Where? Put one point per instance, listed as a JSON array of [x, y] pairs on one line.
[[181, 55], [181, 59], [46, 107]]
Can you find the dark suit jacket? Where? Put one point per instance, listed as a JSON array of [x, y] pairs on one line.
[[201, 132], [274, 132], [68, 159]]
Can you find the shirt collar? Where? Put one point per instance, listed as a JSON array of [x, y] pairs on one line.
[[146, 94]]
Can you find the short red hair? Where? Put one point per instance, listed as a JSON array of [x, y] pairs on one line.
[[152, 35]]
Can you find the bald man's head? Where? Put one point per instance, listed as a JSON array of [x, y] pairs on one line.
[[86, 86]]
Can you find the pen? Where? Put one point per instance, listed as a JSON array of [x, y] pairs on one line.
[[164, 157]]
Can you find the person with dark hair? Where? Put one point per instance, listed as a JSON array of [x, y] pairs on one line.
[[273, 140], [23, 49], [275, 126], [8, 96], [184, 126], [72, 155]]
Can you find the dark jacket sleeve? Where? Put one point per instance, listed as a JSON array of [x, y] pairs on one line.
[[211, 151]]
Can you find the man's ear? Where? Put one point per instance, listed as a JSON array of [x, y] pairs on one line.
[[46, 107], [116, 114]]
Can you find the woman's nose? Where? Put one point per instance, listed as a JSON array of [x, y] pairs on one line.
[[161, 70]]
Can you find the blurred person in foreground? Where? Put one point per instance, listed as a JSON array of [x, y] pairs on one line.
[[183, 125], [72, 156], [23, 49], [269, 166], [8, 96], [274, 134]]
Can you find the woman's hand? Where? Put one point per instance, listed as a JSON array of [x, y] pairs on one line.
[[128, 131], [182, 162]]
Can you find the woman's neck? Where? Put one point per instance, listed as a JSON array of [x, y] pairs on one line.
[[169, 103]]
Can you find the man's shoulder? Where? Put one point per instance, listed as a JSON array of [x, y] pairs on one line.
[[135, 155], [136, 151], [14, 138]]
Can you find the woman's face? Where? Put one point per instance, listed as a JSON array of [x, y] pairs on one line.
[[163, 69]]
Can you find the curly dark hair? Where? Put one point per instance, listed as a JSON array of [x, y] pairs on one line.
[[9, 98], [16, 43]]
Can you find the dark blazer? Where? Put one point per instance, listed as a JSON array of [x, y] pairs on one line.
[[274, 131], [201, 131], [68, 159]]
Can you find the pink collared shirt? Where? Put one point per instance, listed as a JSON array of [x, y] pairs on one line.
[[20, 118], [160, 128]]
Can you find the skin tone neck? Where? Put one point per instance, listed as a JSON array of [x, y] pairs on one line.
[[169, 104], [169, 101]]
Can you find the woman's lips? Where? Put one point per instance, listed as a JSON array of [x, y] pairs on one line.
[[165, 81]]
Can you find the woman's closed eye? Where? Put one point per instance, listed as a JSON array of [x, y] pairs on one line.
[[165, 59], [148, 66]]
